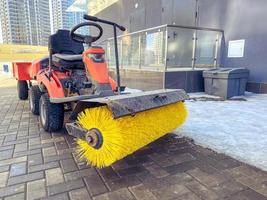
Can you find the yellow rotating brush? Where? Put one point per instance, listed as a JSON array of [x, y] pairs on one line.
[[117, 138]]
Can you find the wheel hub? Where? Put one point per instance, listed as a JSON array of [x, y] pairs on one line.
[[94, 138]]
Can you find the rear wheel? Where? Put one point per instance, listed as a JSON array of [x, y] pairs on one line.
[[51, 114], [22, 87], [34, 98]]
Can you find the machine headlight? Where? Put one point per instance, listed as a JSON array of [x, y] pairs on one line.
[[97, 57]]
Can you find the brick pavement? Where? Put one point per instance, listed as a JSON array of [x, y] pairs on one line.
[[39, 165]]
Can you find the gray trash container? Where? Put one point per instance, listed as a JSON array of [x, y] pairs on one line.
[[226, 82]]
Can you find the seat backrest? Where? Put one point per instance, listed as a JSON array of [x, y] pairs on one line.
[[60, 42]]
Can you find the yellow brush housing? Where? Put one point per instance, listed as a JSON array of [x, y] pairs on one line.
[[125, 135]]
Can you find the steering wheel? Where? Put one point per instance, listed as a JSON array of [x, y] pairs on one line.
[[87, 39]]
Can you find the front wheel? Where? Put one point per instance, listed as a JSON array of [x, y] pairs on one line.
[[22, 87], [51, 114]]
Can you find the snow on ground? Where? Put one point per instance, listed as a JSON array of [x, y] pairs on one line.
[[234, 127]]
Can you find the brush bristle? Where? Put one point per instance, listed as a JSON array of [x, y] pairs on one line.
[[125, 135]]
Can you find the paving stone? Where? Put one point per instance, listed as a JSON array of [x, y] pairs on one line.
[[27, 153], [179, 168], [21, 147], [35, 159], [156, 170], [207, 179], [137, 160], [34, 141], [227, 189], [68, 165], [188, 196], [42, 167], [170, 192], [131, 171], [20, 196], [64, 187], [6, 154], [248, 194], [179, 178], [54, 176], [18, 169], [11, 190], [201, 191], [3, 179], [140, 192], [79, 174], [122, 182], [6, 147], [121, 194], [151, 182], [49, 151], [120, 164], [177, 159], [10, 137], [225, 164], [16, 142], [52, 140], [36, 189], [39, 146], [57, 157], [95, 185], [255, 184], [25, 178], [66, 151], [63, 196], [4, 168], [44, 135], [205, 167], [61, 145], [161, 159], [108, 173], [79, 194], [13, 160]]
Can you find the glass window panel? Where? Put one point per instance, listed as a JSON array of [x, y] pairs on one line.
[[180, 47], [205, 48]]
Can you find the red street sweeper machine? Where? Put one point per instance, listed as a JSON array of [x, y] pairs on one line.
[[107, 123]]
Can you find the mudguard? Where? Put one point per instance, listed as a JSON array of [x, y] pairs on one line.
[[51, 83]]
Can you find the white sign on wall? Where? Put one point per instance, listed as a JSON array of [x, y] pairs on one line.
[[236, 48]]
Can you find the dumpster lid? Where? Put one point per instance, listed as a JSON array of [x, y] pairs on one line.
[[227, 70]]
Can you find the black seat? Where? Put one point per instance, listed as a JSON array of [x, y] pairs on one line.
[[66, 53]]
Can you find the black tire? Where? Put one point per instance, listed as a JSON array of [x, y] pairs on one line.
[[34, 98], [22, 87], [51, 114]]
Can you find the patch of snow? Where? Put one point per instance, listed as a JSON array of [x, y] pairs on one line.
[[130, 90], [236, 128]]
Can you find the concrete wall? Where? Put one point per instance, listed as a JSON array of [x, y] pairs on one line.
[[240, 19]]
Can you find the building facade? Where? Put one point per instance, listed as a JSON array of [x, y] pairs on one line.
[[240, 20], [25, 21], [62, 18]]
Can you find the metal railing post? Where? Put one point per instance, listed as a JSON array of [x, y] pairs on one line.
[[194, 49], [165, 57], [140, 52], [216, 51], [121, 54]]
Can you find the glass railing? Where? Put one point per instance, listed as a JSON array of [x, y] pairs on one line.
[[167, 47]]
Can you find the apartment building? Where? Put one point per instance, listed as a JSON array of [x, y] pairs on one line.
[[25, 21]]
